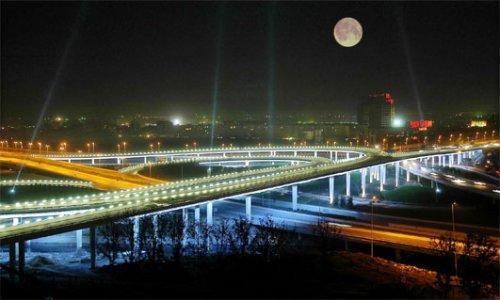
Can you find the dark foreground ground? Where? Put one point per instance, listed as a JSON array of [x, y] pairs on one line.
[[340, 275]]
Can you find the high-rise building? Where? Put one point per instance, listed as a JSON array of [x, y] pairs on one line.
[[377, 111]]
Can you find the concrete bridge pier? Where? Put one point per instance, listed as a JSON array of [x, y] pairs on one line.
[[12, 255], [92, 243], [383, 169], [155, 226], [331, 189], [348, 155], [370, 173], [363, 182], [197, 214], [348, 183], [210, 213], [185, 220], [336, 156], [79, 239], [248, 207], [136, 230], [396, 176], [397, 254], [294, 197], [407, 175]]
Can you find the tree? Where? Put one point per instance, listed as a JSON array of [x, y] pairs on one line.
[[327, 234], [148, 239], [270, 239], [111, 245], [199, 234], [478, 265], [444, 248], [240, 240], [221, 234], [175, 232], [127, 228]]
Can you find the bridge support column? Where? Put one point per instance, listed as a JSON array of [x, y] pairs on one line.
[[155, 226], [450, 160], [396, 178], [294, 197], [92, 161], [197, 214], [315, 153], [145, 160], [370, 174], [249, 154], [397, 254], [363, 182], [381, 181], [79, 239], [12, 255], [347, 155], [407, 174], [331, 189], [248, 208], [92, 242], [382, 173], [331, 155], [185, 221], [136, 237], [210, 213], [336, 155], [347, 245], [459, 159], [348, 183], [22, 257], [294, 153]]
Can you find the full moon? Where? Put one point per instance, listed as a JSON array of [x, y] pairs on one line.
[[348, 32]]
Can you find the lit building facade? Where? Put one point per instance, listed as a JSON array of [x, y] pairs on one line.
[[377, 111]]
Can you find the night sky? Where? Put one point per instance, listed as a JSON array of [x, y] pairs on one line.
[[160, 58]]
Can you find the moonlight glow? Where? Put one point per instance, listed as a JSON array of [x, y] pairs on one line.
[[348, 32]]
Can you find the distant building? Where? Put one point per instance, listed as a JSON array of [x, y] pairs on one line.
[[421, 125], [377, 111]]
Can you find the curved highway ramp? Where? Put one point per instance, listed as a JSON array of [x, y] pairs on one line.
[[104, 179]]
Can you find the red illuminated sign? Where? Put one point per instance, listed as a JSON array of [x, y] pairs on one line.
[[420, 124]]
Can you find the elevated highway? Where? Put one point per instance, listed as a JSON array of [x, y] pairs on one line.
[[323, 163], [104, 179]]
